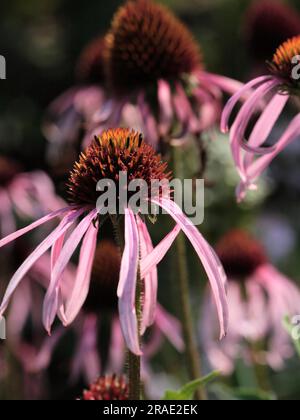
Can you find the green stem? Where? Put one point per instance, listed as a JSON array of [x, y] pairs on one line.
[[133, 361], [192, 353]]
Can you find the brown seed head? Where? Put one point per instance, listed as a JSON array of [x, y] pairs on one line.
[[146, 43], [240, 254], [114, 151]]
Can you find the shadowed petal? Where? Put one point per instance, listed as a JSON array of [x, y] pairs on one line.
[[51, 298], [83, 276], [65, 224], [150, 280]]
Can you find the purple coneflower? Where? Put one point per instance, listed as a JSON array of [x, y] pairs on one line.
[[115, 151], [153, 62], [107, 388], [259, 298], [276, 88]]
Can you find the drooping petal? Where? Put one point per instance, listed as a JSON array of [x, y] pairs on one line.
[[150, 280], [52, 295], [65, 224], [237, 97], [207, 256], [148, 120], [170, 327], [83, 276], [128, 283], [159, 252], [166, 107], [34, 225]]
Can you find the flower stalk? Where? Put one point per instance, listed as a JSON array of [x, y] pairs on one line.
[[192, 353]]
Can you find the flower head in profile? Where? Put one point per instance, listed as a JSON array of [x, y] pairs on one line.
[[152, 61], [107, 388], [267, 95], [259, 298], [114, 150]]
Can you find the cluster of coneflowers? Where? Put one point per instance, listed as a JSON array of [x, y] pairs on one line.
[[147, 73]]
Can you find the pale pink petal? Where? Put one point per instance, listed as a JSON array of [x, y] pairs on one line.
[[238, 129], [51, 301], [208, 257], [86, 360], [224, 83], [150, 280], [117, 348], [128, 283], [159, 252], [170, 327], [237, 97], [266, 122], [166, 107], [82, 283], [149, 121], [34, 225], [65, 224]]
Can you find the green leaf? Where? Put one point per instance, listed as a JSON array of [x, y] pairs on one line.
[[187, 391], [242, 394], [290, 327]]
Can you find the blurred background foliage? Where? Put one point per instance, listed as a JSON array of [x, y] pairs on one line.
[[41, 40]]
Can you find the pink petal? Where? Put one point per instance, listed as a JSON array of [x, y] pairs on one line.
[[266, 122], [82, 282], [237, 97], [67, 221], [159, 252], [34, 225], [166, 107], [149, 121], [291, 134], [150, 281], [238, 129], [52, 295], [226, 84], [128, 283], [208, 257], [171, 328]]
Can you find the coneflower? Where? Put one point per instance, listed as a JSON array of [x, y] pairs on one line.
[[259, 298], [119, 149], [107, 388], [153, 61], [276, 89]]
